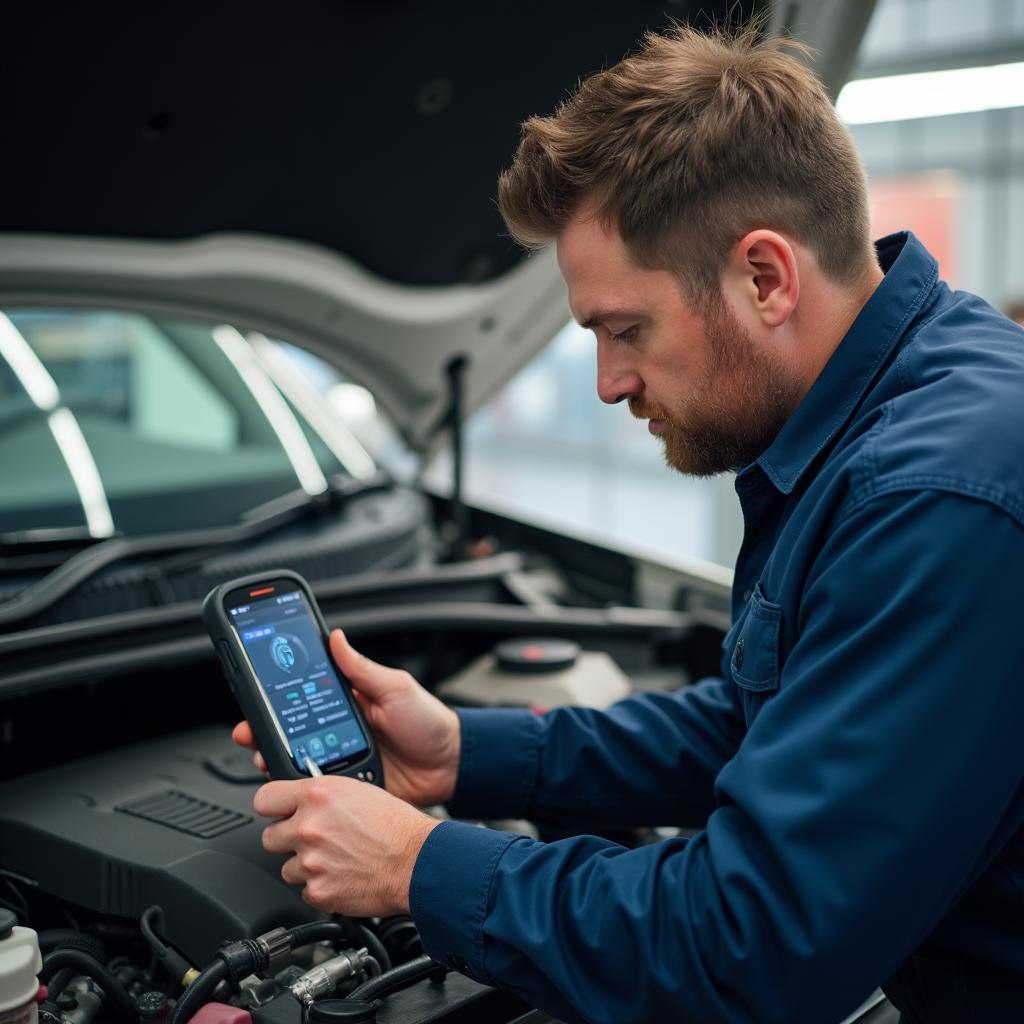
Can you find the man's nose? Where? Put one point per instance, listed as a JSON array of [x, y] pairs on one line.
[[616, 378]]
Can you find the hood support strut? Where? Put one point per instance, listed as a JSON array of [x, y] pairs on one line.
[[456, 370]]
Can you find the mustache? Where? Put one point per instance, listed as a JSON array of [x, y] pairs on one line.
[[645, 410]]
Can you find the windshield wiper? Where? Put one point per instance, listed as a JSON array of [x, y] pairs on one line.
[[79, 567], [29, 550]]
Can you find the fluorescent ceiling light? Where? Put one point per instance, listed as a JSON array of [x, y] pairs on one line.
[[70, 441], [75, 450], [275, 408], [27, 367], [342, 442], [932, 94]]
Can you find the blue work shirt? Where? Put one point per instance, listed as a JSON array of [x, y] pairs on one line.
[[856, 771]]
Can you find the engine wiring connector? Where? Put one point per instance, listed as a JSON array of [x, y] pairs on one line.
[[323, 979], [278, 945], [268, 952]]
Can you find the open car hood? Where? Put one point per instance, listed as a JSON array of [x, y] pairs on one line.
[[324, 174]]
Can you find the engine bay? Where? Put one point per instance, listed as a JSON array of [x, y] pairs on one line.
[[140, 867], [127, 836], [166, 822]]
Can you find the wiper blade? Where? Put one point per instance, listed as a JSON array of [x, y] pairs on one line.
[[83, 565], [34, 550], [46, 539]]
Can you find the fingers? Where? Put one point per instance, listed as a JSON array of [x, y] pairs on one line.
[[291, 871], [279, 838], [242, 735], [371, 679], [276, 799]]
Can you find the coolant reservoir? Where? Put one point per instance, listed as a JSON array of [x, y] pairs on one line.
[[20, 962], [538, 672]]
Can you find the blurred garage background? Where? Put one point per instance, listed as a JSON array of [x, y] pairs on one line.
[[950, 168], [936, 105]]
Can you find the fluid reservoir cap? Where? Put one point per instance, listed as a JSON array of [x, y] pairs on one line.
[[342, 1011], [20, 962], [534, 655], [152, 1005]]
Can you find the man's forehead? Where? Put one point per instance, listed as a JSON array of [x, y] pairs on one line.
[[586, 244], [596, 268], [605, 285]]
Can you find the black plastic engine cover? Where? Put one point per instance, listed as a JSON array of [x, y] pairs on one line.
[[167, 822]]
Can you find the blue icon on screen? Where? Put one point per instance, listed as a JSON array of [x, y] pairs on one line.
[[316, 746], [282, 652]]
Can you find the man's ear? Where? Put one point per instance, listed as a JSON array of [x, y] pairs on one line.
[[762, 277]]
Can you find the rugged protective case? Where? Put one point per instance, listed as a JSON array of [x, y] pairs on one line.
[[247, 689]]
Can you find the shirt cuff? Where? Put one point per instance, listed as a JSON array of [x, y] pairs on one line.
[[450, 890], [499, 763]]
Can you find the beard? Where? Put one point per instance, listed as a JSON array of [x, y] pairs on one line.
[[744, 396]]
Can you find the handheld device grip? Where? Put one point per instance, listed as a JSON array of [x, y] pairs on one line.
[[250, 692]]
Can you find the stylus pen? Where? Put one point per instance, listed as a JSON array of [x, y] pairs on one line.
[[312, 767]]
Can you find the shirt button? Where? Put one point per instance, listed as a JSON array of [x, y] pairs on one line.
[[457, 962], [737, 655]]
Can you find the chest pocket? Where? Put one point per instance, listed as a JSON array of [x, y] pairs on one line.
[[754, 655]]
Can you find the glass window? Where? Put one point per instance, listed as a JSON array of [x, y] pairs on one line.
[[548, 450], [118, 422], [357, 411], [950, 178]]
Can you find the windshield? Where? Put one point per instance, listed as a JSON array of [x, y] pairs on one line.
[[115, 422]]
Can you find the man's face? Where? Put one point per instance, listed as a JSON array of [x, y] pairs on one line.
[[714, 395]]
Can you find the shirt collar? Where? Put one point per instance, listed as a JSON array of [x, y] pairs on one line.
[[910, 274]]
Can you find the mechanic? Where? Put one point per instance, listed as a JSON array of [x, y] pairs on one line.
[[856, 771]]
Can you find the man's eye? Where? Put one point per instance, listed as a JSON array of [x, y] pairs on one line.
[[626, 336]]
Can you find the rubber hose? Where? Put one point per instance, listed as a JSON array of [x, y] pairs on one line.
[[68, 938], [90, 966], [148, 930], [401, 937], [396, 978], [60, 981], [316, 931], [375, 946], [199, 992]]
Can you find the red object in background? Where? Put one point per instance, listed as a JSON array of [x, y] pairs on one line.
[[220, 1013], [927, 204]]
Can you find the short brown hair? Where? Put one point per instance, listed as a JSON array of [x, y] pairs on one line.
[[689, 144]]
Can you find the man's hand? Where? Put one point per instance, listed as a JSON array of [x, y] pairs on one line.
[[354, 846], [419, 737]]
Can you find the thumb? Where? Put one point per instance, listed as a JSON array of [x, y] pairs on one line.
[[370, 679]]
